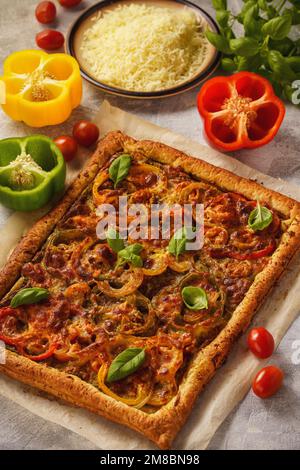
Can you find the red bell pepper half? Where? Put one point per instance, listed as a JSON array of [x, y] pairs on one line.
[[240, 111]]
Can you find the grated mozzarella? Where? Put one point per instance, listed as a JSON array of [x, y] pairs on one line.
[[144, 48]]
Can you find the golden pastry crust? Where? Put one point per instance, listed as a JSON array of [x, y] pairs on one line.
[[163, 425]]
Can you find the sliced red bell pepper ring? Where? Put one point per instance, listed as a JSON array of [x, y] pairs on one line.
[[4, 311], [41, 357], [7, 311], [240, 111], [226, 253], [19, 343]]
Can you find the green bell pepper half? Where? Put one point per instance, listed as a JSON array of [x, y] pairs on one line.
[[32, 172]]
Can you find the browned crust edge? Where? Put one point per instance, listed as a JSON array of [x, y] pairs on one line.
[[162, 426]]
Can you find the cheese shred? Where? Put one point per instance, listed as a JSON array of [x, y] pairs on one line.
[[144, 48]]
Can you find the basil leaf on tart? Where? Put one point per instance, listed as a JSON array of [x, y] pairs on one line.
[[131, 254], [195, 298], [114, 240], [260, 218], [126, 363], [177, 244], [30, 295], [119, 168]]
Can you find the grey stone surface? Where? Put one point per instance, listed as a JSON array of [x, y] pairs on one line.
[[254, 424]]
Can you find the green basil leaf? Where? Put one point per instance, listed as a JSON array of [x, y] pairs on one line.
[[249, 63], [269, 75], [131, 254], [277, 28], [219, 4], [177, 244], [252, 23], [119, 168], [260, 218], [280, 66], [271, 12], [136, 261], [126, 363], [289, 92], [222, 17], [284, 46], [195, 298], [228, 64], [247, 5], [114, 241], [220, 42], [30, 295], [295, 15], [263, 5], [228, 33], [246, 47], [294, 63]]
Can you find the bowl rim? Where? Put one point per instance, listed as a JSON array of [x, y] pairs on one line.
[[185, 86]]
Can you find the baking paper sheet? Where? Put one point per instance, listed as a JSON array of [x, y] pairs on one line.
[[232, 381]]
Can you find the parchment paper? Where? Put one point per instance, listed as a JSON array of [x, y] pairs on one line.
[[232, 381]]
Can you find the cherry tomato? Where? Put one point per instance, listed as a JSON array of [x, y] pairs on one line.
[[69, 3], [50, 39], [45, 12], [267, 382], [86, 133], [67, 145], [261, 342]]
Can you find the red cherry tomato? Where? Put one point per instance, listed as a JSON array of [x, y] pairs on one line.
[[86, 133], [67, 145], [267, 382], [261, 342], [50, 39], [45, 12], [69, 3]]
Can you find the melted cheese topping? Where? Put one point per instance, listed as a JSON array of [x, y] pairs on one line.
[[97, 308], [144, 48]]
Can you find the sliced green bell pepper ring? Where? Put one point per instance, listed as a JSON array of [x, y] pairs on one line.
[[32, 171]]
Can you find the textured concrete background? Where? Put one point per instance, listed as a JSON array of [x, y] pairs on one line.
[[254, 424]]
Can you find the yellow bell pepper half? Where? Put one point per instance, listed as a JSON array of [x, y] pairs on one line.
[[41, 89]]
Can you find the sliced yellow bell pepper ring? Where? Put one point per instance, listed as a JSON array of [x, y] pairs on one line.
[[32, 172], [41, 89]]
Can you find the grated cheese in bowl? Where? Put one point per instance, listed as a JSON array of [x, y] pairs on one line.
[[144, 47]]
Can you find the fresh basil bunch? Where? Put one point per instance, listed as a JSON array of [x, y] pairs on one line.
[[270, 45]]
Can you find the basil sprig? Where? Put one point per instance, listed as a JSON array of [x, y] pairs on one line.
[[119, 168], [126, 254], [260, 218], [126, 363], [131, 254], [195, 298], [269, 43], [30, 295], [177, 244]]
